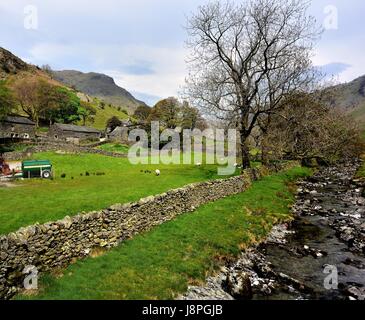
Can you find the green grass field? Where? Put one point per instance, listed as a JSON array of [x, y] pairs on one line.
[[114, 147], [36, 200], [161, 263], [103, 115]]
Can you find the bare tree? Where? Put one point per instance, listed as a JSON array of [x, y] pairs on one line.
[[36, 97], [26, 93], [296, 76], [240, 53], [48, 69]]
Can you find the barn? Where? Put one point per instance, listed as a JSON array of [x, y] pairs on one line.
[[120, 134], [70, 132], [17, 128]]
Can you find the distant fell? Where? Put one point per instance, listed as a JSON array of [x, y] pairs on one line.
[[100, 86], [350, 97]]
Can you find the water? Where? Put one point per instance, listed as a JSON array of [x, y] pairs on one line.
[[328, 230], [313, 229]]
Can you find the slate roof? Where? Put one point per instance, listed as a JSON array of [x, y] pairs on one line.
[[126, 122], [74, 128], [19, 120], [117, 131]]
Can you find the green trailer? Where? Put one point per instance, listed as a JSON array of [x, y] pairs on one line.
[[37, 169]]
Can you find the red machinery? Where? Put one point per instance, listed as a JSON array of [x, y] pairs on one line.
[[4, 167]]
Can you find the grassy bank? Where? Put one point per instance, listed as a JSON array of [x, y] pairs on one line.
[[91, 182], [161, 263]]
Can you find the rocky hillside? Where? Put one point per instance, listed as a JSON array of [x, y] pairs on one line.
[[351, 98], [13, 69], [11, 64], [100, 86]]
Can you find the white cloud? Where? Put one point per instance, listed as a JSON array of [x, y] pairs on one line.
[[167, 64], [347, 54], [117, 36]]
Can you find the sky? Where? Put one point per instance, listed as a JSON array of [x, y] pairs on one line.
[[141, 43]]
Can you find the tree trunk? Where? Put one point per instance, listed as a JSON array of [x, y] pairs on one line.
[[245, 155], [244, 134], [36, 122], [265, 142], [264, 150]]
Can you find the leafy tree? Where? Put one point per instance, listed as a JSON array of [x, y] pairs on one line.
[[87, 112], [48, 100], [62, 105], [68, 106], [142, 113], [40, 99], [113, 123], [7, 102], [191, 118], [37, 98], [167, 112]]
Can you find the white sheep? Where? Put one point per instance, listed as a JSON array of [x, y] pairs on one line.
[[158, 172], [199, 164]]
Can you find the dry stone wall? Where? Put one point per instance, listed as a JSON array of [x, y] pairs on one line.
[[57, 244], [65, 147]]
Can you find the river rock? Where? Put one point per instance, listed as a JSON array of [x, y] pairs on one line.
[[238, 285], [357, 293]]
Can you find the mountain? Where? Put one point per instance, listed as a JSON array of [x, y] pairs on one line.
[[93, 84], [100, 86], [13, 69], [11, 64], [350, 97]]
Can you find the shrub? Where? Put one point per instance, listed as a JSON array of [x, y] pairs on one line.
[[113, 122]]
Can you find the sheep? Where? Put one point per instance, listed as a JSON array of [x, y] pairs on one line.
[[199, 164], [158, 172]]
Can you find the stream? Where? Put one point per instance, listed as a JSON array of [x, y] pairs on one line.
[[318, 256]]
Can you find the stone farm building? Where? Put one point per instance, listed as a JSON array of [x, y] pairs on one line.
[[70, 132], [17, 128], [120, 134]]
